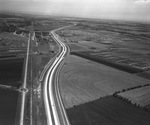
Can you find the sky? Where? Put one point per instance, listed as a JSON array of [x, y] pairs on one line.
[[134, 10]]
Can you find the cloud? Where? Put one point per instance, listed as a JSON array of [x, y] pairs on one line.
[[112, 9], [142, 1]]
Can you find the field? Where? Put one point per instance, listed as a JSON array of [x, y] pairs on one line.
[[8, 106], [122, 43], [13, 48], [116, 63], [10, 41], [108, 111], [11, 71], [82, 81], [45, 43], [145, 74], [98, 88], [49, 24], [14, 35], [11, 44], [76, 47], [140, 96]]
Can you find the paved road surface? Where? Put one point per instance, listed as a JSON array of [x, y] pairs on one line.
[[55, 112]]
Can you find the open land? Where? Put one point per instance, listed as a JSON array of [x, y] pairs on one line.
[[12, 53], [49, 24], [45, 51], [108, 111], [8, 106], [14, 35], [96, 90], [11, 71], [122, 43], [13, 47], [83, 81], [140, 96], [12, 44], [116, 65]]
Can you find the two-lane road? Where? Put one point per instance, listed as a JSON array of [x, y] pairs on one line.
[[24, 86]]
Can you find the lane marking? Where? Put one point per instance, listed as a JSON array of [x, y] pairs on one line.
[[50, 101]]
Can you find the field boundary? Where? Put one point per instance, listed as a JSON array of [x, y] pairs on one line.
[[125, 68]]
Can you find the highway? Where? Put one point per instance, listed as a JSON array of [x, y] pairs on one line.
[[54, 108]]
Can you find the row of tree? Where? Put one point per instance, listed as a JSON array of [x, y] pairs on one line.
[[129, 101]]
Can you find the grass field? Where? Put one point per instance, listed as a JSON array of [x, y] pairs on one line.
[[140, 96], [108, 111], [82, 81]]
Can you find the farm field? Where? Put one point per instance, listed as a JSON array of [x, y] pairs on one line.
[[49, 24], [140, 96], [108, 111], [11, 71], [145, 74], [76, 47], [8, 106], [82, 81], [123, 43], [93, 92]]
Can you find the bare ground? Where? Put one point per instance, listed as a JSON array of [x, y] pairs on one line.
[[82, 81], [108, 111]]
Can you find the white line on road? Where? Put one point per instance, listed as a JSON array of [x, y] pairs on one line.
[[48, 88]]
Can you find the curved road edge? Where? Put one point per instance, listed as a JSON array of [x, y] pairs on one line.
[[54, 108]]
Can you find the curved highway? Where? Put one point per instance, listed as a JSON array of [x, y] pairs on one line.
[[55, 111]]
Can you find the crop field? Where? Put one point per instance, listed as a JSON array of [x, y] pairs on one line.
[[82, 81], [49, 24], [108, 111], [8, 106], [145, 74], [123, 43], [11, 72], [140, 96], [76, 47], [94, 45]]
